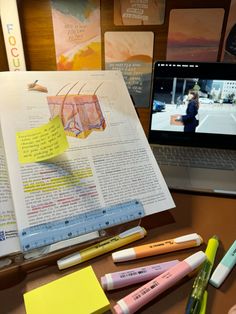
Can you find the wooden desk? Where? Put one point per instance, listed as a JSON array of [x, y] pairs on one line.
[[206, 215]]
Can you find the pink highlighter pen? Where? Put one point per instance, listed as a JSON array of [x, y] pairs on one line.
[[135, 300]]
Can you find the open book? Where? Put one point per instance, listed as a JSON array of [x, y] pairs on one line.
[[108, 162]]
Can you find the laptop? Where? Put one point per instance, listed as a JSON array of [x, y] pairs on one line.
[[203, 159]]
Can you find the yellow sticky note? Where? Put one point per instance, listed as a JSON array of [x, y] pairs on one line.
[[79, 292], [41, 143]]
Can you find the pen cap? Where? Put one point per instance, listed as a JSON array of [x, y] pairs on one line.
[[189, 237], [69, 261], [196, 259], [211, 249], [136, 230], [124, 255], [104, 282], [219, 275]]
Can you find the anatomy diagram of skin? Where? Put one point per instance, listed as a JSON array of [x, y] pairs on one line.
[[80, 114]]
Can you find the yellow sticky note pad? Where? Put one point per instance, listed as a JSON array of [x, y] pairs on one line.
[[41, 143], [79, 292]]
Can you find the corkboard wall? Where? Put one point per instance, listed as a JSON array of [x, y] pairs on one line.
[[37, 33]]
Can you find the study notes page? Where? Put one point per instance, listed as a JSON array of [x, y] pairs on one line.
[[9, 242], [109, 160]]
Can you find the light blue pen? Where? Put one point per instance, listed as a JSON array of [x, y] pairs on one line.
[[224, 267]]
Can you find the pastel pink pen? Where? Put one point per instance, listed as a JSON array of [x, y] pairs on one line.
[[135, 300], [132, 276]]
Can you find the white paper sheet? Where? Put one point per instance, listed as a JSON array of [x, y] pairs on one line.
[[105, 168], [9, 241]]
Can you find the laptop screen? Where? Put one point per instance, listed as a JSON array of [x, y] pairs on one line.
[[193, 104]]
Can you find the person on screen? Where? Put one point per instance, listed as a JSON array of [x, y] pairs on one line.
[[189, 120]]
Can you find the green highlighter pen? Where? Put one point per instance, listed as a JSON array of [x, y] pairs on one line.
[[204, 303], [201, 281]]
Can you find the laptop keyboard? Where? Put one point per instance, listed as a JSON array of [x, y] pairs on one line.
[[195, 157]]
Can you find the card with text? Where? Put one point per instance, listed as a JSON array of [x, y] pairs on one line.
[[139, 12], [77, 34], [132, 53]]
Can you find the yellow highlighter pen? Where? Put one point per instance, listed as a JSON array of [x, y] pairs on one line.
[[103, 247]]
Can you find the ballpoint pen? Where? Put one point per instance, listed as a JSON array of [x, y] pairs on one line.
[[201, 281]]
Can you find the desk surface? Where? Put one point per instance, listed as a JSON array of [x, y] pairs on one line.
[[206, 215]]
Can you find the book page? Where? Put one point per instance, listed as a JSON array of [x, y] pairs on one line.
[[9, 242], [109, 160]]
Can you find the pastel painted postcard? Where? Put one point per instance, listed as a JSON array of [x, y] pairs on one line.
[[132, 54], [136, 12], [77, 34], [229, 46], [194, 34]]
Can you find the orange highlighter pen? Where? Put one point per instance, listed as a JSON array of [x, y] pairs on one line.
[[180, 243]]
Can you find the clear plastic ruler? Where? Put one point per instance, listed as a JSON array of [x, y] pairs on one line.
[[48, 233]]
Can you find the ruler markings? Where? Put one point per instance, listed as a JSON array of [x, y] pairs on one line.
[[64, 229]]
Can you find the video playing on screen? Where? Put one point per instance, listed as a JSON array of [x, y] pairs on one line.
[[194, 105]]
